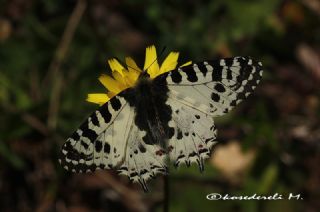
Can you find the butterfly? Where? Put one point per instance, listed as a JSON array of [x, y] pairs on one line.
[[158, 113]]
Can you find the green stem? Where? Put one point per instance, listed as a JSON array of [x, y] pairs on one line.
[[166, 191]]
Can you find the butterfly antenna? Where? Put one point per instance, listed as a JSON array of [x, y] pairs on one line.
[[161, 53]]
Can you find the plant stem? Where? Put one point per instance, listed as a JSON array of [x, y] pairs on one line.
[[166, 192]]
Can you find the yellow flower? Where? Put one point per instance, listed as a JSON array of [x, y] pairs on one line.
[[126, 77]]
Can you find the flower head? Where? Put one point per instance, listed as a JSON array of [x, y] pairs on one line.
[[126, 77]]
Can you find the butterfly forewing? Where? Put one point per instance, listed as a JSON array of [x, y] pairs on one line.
[[98, 143], [218, 84]]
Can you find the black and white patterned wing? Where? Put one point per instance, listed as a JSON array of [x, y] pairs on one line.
[[110, 139], [100, 142], [194, 134], [215, 86], [142, 161], [199, 92]]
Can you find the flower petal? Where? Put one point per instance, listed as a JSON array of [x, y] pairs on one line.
[[98, 98], [111, 84], [116, 66], [132, 65], [170, 63], [119, 78], [151, 62], [133, 71], [186, 64]]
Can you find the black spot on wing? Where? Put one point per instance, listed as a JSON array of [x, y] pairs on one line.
[[181, 156], [217, 73], [94, 119], [191, 74], [115, 103], [179, 134], [229, 74], [176, 76], [75, 136], [106, 148], [106, 115], [219, 87], [85, 145], [142, 148], [215, 97], [243, 61], [88, 133], [228, 61], [170, 132], [203, 151], [192, 154], [203, 69], [98, 145]]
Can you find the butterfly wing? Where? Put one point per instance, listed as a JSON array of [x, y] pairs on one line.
[[199, 92], [142, 161], [110, 139], [99, 142], [194, 134], [216, 86]]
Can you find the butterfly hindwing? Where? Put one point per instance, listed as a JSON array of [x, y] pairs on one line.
[[143, 161], [194, 134]]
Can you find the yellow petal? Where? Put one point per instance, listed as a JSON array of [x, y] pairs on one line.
[[151, 62], [116, 66], [111, 84], [119, 78], [133, 71], [170, 63], [132, 66], [133, 76], [130, 82], [111, 94], [186, 64], [98, 98]]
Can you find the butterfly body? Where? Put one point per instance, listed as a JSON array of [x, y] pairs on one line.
[[148, 99]]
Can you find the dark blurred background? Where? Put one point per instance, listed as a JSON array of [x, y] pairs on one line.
[[52, 51]]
